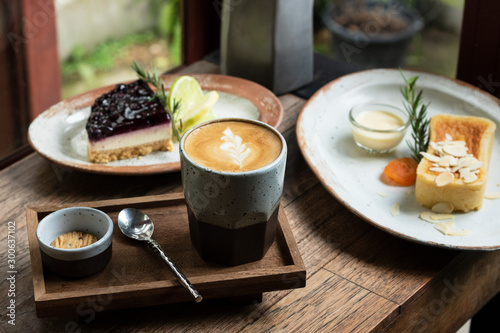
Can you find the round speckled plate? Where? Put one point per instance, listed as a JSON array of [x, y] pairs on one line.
[[59, 135], [352, 176]]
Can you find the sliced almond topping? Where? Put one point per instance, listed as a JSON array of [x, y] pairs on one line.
[[464, 232], [474, 165], [457, 151], [448, 229], [454, 143], [430, 157], [445, 227], [434, 145], [443, 208], [441, 217], [395, 209], [468, 161], [444, 179], [438, 169], [445, 161], [464, 171], [426, 216], [439, 151], [433, 218], [448, 137], [382, 194], [469, 177], [457, 167], [449, 157], [493, 196]]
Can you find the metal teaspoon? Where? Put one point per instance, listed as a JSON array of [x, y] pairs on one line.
[[135, 224]]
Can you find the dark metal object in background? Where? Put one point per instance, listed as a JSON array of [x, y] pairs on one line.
[[269, 42], [367, 45]]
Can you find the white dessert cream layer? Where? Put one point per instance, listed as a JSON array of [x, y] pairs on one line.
[[134, 138], [131, 144]]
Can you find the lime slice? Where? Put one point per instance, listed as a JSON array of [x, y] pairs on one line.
[[185, 90], [198, 112], [195, 106]]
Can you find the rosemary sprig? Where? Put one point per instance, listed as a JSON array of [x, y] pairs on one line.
[[418, 117], [155, 80]]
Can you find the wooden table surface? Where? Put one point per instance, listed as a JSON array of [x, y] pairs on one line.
[[359, 279]]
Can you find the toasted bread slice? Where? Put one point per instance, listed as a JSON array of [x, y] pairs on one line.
[[465, 195]]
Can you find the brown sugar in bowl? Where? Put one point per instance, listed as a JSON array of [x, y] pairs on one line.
[[79, 262]]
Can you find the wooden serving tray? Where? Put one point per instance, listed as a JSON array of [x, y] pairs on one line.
[[136, 276]]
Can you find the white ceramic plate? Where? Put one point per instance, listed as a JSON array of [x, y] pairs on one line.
[[352, 175], [59, 135]]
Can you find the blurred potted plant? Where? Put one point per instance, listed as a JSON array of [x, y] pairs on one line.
[[371, 33], [429, 9]]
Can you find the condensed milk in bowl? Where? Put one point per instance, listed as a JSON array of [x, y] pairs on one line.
[[378, 128]]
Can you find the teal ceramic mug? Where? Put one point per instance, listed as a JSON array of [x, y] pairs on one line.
[[232, 175]]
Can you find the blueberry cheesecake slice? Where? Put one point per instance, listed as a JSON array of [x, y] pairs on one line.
[[127, 122]]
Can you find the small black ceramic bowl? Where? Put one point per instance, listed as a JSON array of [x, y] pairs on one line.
[[81, 262]]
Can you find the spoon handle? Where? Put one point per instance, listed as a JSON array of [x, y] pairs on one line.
[[181, 277]]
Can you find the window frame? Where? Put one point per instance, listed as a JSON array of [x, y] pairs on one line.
[[479, 54]]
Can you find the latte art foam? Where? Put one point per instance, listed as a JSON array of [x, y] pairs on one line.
[[232, 146]]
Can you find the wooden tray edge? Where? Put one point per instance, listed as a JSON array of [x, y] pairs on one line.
[[292, 246], [56, 304], [35, 256]]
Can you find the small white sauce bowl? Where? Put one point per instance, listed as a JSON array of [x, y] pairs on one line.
[[76, 263], [376, 140]]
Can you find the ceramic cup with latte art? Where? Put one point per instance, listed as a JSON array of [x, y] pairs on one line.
[[232, 175]]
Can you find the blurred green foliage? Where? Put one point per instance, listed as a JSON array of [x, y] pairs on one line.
[[455, 3], [84, 64], [102, 57], [169, 27]]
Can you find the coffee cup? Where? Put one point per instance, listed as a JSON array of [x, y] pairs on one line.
[[232, 174]]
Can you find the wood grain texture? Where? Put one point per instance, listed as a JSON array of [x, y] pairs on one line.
[[378, 263], [329, 303], [358, 278]]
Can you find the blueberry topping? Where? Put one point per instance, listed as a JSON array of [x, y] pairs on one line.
[[125, 108]]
